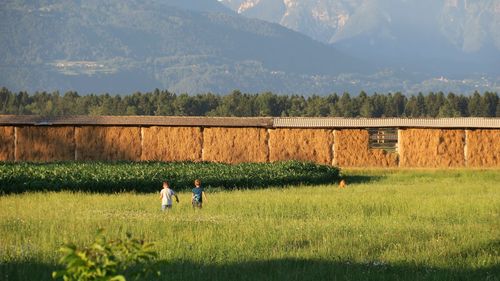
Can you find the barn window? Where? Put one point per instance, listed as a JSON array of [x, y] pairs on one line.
[[383, 138]]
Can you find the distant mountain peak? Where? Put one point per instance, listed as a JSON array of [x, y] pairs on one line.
[[468, 25]]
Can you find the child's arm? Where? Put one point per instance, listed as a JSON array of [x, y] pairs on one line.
[[161, 196]]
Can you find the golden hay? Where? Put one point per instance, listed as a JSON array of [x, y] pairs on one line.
[[483, 148], [417, 147], [108, 143], [45, 144], [301, 144], [171, 143], [351, 150], [7, 143], [432, 148], [235, 145]]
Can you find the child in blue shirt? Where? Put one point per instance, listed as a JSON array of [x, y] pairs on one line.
[[198, 194]]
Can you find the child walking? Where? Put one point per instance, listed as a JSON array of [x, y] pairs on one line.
[[166, 196], [198, 194]]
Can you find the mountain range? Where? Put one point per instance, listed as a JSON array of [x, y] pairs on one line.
[[411, 32], [467, 24], [283, 46]]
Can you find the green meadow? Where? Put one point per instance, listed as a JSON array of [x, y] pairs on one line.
[[386, 225]]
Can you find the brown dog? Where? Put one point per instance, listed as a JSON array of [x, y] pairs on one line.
[[342, 184]]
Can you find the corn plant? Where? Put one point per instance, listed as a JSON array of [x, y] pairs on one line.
[[147, 176]]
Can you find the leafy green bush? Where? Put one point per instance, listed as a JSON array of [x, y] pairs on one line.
[[107, 260], [147, 176]]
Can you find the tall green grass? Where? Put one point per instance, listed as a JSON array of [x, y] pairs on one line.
[[387, 225]]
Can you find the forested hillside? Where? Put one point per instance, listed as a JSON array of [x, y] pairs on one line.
[[194, 46], [162, 102], [127, 45]]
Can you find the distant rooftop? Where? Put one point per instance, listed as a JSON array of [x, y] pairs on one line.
[[136, 121], [469, 122], [265, 122]]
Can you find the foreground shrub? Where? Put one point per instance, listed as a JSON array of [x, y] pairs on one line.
[[147, 176], [114, 260]]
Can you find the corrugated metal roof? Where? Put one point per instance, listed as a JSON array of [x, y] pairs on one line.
[[470, 122], [265, 122], [136, 121]]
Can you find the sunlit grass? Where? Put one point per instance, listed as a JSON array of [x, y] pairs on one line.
[[412, 225]]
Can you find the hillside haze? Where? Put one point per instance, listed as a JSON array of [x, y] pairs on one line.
[[136, 45], [199, 46], [414, 34], [468, 25]]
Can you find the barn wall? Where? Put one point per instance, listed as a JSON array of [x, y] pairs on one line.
[[44, 143], [483, 148], [171, 143], [301, 144], [429, 148], [351, 150], [235, 145], [432, 148], [108, 143], [7, 143]]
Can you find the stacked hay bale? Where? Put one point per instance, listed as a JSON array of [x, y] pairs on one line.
[[7, 143], [171, 143], [432, 148], [301, 144], [351, 149], [483, 148], [108, 143], [243, 141], [45, 144], [235, 145]]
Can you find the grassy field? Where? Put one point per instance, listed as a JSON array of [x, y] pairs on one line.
[[387, 225]]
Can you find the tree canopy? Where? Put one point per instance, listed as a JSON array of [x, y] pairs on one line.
[[165, 103]]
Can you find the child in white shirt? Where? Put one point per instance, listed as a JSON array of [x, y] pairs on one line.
[[166, 196]]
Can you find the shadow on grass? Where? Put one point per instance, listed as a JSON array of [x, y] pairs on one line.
[[352, 178], [282, 269]]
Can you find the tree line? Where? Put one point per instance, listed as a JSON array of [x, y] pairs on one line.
[[164, 103]]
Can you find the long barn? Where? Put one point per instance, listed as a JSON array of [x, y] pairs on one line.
[[355, 142]]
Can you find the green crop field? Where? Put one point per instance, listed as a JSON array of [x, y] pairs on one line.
[[145, 176], [386, 225]]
